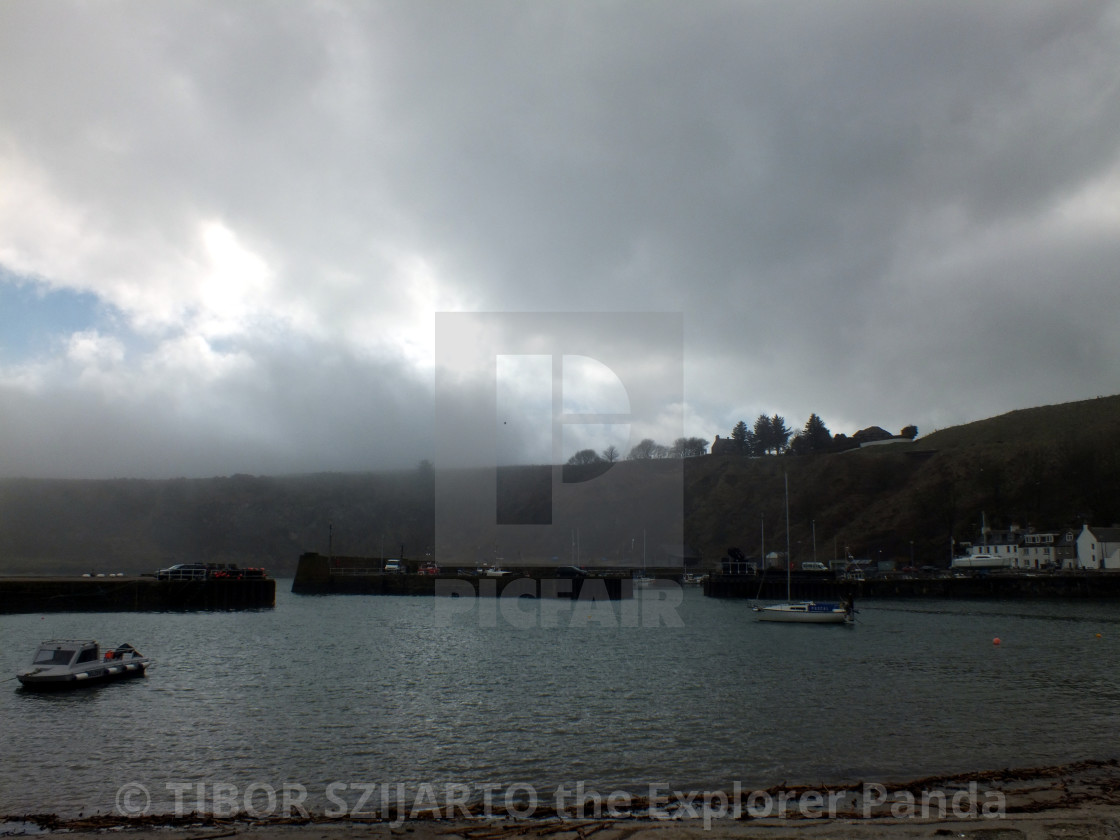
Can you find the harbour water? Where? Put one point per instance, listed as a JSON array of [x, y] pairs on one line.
[[359, 690]]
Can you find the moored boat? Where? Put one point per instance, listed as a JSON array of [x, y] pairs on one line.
[[70, 663], [808, 612], [982, 560], [804, 612]]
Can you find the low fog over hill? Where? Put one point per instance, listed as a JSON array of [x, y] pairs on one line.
[[1049, 467]]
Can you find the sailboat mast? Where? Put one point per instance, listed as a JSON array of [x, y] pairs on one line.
[[762, 547], [789, 559]]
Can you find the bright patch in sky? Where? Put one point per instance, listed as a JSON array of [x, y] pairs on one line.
[[229, 259]]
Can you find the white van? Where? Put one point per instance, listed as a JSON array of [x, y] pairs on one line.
[[813, 566], [393, 566]]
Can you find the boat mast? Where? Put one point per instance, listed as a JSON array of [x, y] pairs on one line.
[[762, 548], [789, 560]]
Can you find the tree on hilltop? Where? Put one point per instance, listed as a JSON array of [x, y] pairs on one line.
[[585, 456], [762, 434], [692, 447], [744, 439], [771, 434], [647, 449], [814, 437]]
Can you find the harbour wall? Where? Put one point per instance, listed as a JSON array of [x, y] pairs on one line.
[[132, 594], [319, 575], [1010, 586]]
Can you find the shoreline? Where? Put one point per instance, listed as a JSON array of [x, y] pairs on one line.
[[1078, 801]]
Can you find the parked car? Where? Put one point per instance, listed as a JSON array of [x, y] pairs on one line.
[[183, 571]]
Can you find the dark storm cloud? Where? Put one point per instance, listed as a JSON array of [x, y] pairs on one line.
[[886, 213]]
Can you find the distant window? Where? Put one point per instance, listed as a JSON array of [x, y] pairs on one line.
[[87, 655]]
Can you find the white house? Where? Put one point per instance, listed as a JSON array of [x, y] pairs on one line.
[[1001, 544], [1098, 548]]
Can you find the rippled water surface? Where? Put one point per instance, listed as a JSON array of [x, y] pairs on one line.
[[358, 689]]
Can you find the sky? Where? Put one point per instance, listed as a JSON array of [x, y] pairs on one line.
[[226, 228]]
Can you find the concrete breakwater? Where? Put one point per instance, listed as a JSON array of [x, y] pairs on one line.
[[132, 594], [319, 575], [806, 587]]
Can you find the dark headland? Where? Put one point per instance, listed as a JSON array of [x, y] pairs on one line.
[[912, 502]]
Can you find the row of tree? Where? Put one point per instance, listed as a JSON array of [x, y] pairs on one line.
[[771, 436], [647, 449]]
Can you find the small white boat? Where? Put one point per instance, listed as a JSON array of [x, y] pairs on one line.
[[804, 612], [69, 663], [981, 557], [808, 612], [982, 560]]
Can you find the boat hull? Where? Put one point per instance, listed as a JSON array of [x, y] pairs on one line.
[[101, 673], [982, 561], [807, 613]]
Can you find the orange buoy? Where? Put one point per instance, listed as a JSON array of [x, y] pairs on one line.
[[995, 641]]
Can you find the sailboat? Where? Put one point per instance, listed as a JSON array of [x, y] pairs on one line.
[[804, 612], [642, 578]]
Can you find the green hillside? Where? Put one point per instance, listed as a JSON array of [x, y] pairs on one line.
[[1052, 467]]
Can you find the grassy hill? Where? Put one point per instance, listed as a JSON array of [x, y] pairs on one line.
[[1052, 467], [1048, 467]]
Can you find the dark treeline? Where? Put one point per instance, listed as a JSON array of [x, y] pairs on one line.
[[768, 436], [646, 450], [771, 436]]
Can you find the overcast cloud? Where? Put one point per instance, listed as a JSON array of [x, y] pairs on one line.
[[225, 228]]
